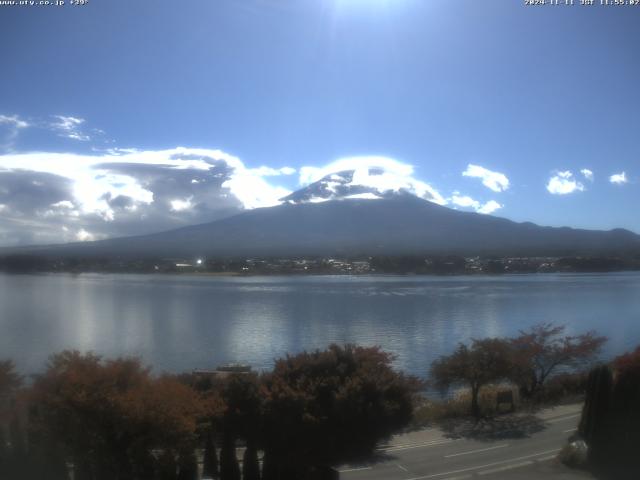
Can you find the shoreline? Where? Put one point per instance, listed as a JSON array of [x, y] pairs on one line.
[[321, 274]]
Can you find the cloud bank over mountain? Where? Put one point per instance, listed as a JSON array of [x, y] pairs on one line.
[[48, 197], [376, 176], [60, 197], [54, 197]]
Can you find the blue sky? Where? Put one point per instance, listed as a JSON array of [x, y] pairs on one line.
[[535, 94]]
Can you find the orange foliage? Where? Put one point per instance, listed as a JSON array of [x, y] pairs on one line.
[[105, 412]]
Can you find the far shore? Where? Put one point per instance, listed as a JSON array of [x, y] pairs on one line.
[[317, 274]]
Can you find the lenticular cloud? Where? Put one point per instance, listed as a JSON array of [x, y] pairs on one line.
[[382, 174]]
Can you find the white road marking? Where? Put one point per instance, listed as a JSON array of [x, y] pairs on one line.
[[517, 465], [505, 468], [391, 445], [476, 451], [569, 430], [545, 459], [561, 419], [402, 468], [415, 445], [360, 469], [478, 467]]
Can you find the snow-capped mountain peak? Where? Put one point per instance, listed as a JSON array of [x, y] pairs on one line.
[[371, 183]]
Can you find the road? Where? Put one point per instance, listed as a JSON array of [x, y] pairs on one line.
[[511, 444]]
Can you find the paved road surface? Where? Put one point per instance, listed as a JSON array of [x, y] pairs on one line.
[[513, 446]]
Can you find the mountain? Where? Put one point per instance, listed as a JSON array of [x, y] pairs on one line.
[[369, 184], [340, 186], [398, 223]]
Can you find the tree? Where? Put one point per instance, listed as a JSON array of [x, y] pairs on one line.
[[9, 379], [610, 422], [109, 415], [544, 349], [5, 458], [250, 464], [241, 418], [12, 440], [167, 466], [330, 406], [229, 468], [187, 465], [628, 364], [486, 361], [210, 457]]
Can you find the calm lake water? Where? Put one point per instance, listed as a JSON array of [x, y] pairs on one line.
[[177, 323]]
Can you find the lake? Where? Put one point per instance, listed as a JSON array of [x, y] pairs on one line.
[[181, 322]]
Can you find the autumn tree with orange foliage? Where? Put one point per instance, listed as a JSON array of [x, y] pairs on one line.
[[109, 416], [544, 349], [113, 419], [483, 362], [331, 406]]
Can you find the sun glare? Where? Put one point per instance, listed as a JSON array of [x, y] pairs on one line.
[[347, 6]]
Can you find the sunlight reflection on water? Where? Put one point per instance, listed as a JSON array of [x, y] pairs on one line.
[[183, 322]]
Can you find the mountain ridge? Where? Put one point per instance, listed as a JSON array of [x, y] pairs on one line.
[[397, 225]]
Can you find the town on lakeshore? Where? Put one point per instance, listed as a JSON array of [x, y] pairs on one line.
[[410, 264]]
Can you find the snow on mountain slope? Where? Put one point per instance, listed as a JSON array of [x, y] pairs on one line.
[[370, 183]]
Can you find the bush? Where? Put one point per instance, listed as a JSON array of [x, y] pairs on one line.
[[564, 388], [610, 421], [429, 411], [574, 454]]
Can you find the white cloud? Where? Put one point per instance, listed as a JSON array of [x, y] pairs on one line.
[[179, 205], [287, 171], [63, 204], [272, 172], [69, 127], [253, 191], [468, 202], [84, 236], [619, 178], [563, 183], [496, 181], [124, 192], [381, 173], [63, 208], [13, 121], [312, 174], [13, 126], [364, 196], [489, 207], [588, 174], [464, 201], [114, 151]]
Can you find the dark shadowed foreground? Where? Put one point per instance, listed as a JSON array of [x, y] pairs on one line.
[[111, 419]]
